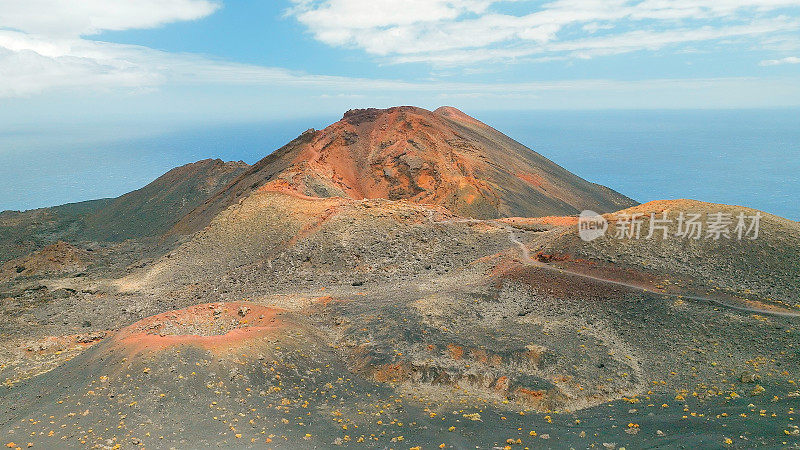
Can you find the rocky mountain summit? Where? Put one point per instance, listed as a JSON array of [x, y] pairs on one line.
[[441, 157]]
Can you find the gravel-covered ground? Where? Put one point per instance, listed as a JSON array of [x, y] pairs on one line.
[[395, 328]]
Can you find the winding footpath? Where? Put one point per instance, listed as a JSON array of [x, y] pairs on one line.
[[526, 258]]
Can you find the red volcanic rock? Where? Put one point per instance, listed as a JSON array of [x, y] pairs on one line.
[[213, 326], [502, 384], [444, 157], [58, 258], [547, 258]]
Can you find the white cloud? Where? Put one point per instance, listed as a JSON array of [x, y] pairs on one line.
[[655, 40], [27, 72], [604, 45], [41, 44], [450, 31], [778, 62], [32, 65], [40, 55], [366, 14], [42, 65], [85, 17]]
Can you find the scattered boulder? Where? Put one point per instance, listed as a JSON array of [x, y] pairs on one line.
[[749, 377]]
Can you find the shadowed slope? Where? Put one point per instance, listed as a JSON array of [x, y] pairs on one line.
[[57, 258], [146, 212], [24, 232], [155, 208]]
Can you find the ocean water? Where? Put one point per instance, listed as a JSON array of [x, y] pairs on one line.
[[743, 157], [748, 158]]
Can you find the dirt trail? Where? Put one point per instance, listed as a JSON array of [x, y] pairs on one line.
[[526, 258]]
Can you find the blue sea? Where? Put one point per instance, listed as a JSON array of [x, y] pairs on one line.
[[742, 157]]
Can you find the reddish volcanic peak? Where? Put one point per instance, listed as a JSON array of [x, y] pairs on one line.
[[398, 153], [442, 157], [457, 115]]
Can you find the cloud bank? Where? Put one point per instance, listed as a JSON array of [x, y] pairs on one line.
[[778, 62], [42, 45], [45, 52], [85, 17], [463, 32]]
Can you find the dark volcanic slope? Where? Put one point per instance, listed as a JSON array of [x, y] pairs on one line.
[[766, 269], [149, 211], [155, 208], [24, 232], [442, 157]]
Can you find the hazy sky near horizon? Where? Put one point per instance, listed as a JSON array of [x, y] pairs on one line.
[[98, 97], [66, 62]]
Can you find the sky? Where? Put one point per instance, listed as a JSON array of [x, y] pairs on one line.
[[97, 97], [68, 62]]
